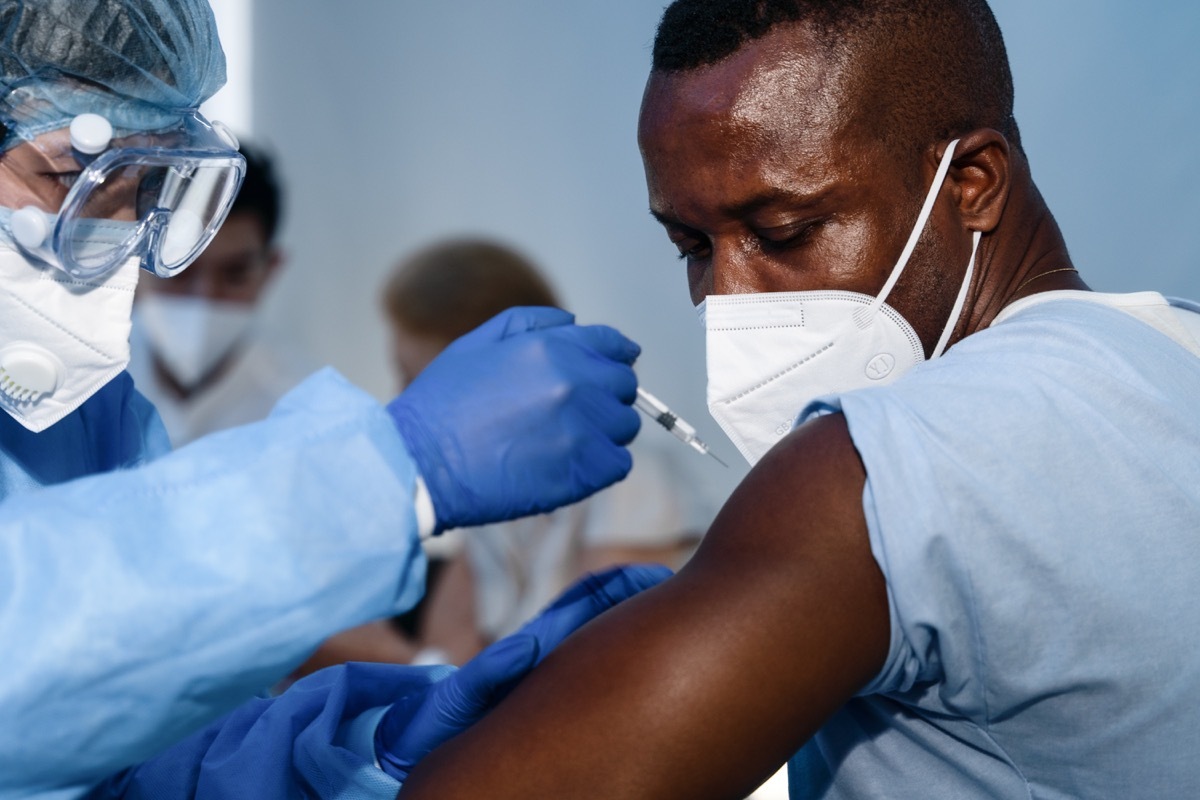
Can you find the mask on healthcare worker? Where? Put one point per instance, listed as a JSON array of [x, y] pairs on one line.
[[190, 336], [61, 338], [770, 354]]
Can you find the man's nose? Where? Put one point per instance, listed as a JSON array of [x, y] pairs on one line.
[[730, 271]]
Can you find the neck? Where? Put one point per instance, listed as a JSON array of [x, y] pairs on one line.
[[1024, 255]]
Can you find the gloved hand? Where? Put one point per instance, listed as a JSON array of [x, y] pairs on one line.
[[417, 724], [524, 414]]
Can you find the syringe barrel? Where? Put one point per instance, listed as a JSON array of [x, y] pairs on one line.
[[658, 411], [650, 404], [683, 430]]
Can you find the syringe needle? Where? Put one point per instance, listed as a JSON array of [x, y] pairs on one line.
[[657, 410], [714, 455], [703, 448]]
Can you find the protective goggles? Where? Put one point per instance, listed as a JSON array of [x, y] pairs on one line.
[[155, 196]]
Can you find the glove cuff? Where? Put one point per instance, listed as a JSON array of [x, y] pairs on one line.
[[423, 506], [433, 512]]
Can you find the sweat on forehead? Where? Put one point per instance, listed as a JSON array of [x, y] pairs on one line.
[[919, 71]]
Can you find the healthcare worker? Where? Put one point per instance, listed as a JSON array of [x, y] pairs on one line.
[[143, 594]]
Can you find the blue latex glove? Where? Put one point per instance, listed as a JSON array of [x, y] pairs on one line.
[[524, 414], [420, 722]]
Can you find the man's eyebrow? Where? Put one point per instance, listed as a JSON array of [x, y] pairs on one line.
[[665, 220], [792, 200], [799, 201]]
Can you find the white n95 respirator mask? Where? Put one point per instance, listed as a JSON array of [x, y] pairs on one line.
[[770, 354], [61, 338], [190, 336]]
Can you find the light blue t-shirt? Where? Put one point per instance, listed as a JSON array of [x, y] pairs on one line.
[[1033, 499]]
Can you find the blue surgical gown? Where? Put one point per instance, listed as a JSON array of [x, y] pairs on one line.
[[143, 594]]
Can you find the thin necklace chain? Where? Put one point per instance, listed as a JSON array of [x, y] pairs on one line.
[[1028, 281]]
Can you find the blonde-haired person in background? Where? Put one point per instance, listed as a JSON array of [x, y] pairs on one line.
[[504, 573]]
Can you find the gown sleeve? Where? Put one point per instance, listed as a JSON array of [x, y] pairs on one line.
[[140, 604]]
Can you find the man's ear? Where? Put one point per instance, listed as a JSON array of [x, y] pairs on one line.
[[981, 174]]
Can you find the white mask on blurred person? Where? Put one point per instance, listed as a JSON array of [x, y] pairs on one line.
[[771, 353], [61, 338], [191, 336]]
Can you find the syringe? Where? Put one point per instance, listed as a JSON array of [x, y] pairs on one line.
[[657, 410]]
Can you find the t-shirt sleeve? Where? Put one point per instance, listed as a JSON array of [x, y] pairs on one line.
[[943, 506], [912, 657], [994, 476]]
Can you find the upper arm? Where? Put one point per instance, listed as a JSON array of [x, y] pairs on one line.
[[703, 685]]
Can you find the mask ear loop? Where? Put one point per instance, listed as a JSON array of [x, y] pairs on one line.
[[868, 313], [952, 322]]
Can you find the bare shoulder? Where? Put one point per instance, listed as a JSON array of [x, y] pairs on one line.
[[805, 493]]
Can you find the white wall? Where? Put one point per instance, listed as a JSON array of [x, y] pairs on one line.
[[233, 103], [399, 121]]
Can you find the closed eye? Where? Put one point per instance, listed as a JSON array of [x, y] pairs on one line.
[[692, 252], [785, 237], [692, 245]]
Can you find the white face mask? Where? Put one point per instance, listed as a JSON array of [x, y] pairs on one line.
[[61, 339], [770, 354], [191, 335]]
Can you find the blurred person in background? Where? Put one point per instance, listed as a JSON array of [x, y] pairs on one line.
[[197, 351], [503, 573]]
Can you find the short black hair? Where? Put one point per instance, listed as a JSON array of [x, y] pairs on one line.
[[926, 69], [260, 194]]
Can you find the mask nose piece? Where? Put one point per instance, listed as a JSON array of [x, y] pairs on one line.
[[28, 372]]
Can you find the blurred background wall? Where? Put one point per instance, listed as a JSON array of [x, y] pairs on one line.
[[396, 122]]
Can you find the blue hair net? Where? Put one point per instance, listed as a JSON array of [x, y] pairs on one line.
[[143, 64]]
